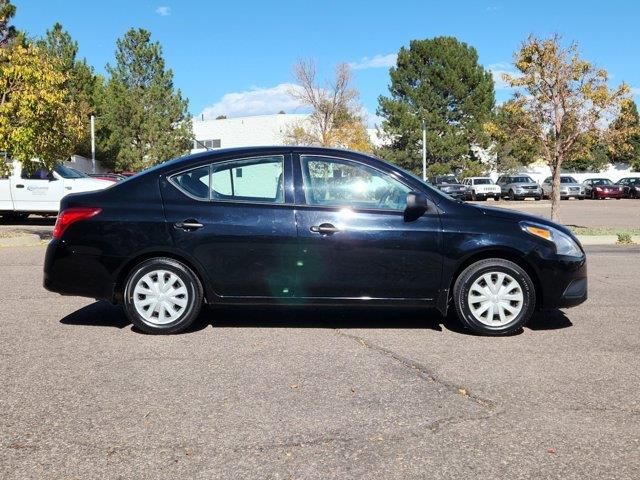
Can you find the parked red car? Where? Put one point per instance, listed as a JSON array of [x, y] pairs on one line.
[[601, 188]]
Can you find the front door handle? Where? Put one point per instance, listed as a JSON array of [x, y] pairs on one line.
[[188, 225], [19, 185], [325, 229]]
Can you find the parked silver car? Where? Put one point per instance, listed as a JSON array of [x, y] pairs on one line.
[[519, 187], [569, 187]]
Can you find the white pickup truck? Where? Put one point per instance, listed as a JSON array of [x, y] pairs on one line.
[[23, 193]]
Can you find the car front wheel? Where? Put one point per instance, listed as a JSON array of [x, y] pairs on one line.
[[494, 297], [162, 296]]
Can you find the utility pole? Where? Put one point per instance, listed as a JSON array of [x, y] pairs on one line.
[[93, 143], [424, 151]]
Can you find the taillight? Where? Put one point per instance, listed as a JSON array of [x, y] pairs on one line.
[[72, 215]]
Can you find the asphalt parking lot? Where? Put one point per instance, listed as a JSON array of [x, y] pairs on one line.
[[623, 213], [318, 393]]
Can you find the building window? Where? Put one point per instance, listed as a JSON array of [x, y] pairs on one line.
[[214, 143]]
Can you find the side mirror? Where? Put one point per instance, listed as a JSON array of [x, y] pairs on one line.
[[51, 177], [417, 205]]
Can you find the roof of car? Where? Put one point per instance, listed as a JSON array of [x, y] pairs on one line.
[[220, 154]]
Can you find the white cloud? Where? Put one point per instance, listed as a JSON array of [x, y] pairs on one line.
[[378, 61], [163, 11], [255, 101], [497, 69]]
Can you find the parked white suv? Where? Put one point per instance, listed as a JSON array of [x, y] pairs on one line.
[[40, 191], [481, 188]]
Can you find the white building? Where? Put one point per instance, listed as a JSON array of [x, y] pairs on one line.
[[252, 131], [243, 131]]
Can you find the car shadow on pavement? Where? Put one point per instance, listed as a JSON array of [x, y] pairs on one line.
[[104, 314], [549, 319], [98, 314]]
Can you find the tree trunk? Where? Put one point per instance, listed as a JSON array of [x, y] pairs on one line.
[[555, 192]]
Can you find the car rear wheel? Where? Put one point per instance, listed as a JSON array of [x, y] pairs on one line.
[[162, 296], [494, 297], [512, 195]]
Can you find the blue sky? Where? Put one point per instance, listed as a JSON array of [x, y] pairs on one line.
[[235, 57]]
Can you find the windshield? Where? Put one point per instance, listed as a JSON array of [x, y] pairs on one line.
[[521, 180], [601, 181], [446, 179], [567, 180], [482, 181], [67, 172]]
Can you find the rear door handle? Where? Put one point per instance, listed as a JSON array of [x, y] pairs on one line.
[[188, 225], [325, 229]]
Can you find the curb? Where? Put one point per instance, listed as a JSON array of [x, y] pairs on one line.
[[603, 239], [22, 240]]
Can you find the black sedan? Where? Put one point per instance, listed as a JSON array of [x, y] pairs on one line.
[[312, 226], [630, 187], [450, 185]]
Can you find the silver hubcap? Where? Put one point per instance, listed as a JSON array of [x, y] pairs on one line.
[[495, 299], [160, 297]]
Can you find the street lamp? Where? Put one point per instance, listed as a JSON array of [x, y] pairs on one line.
[[424, 150], [93, 144]]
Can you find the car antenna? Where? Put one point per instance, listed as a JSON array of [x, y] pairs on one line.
[[202, 144]]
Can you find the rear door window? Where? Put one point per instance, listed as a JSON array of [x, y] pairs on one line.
[[195, 182], [254, 179]]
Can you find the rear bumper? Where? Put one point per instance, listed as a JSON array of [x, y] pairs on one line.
[[69, 272]]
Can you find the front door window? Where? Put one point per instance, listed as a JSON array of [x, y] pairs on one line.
[[341, 183]]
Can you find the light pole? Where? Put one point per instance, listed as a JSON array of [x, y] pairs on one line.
[[424, 151], [93, 144]]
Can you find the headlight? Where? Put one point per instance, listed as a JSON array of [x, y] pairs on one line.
[[565, 245]]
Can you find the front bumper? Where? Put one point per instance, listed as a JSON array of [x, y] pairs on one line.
[[488, 194], [461, 195], [528, 194], [610, 194], [568, 194], [564, 282]]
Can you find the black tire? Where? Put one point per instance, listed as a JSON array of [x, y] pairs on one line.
[[496, 198], [475, 271], [537, 199], [185, 315], [512, 195]]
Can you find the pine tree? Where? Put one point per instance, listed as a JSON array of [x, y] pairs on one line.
[[440, 82], [81, 79], [145, 118]]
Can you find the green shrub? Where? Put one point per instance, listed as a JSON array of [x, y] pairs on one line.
[[625, 238]]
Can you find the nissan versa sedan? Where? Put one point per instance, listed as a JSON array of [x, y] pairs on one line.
[[310, 226]]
